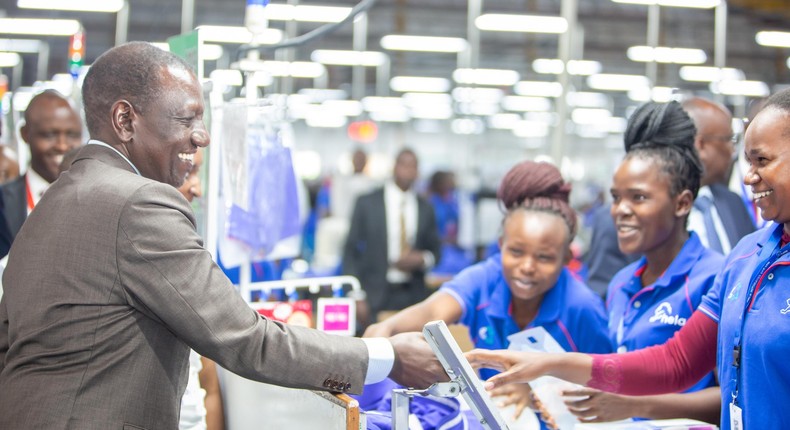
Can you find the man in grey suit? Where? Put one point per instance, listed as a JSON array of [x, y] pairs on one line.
[[108, 284], [52, 128]]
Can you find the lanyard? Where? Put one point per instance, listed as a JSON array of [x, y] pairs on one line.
[[754, 285], [30, 202]]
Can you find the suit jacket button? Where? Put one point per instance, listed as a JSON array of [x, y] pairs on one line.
[[348, 387], [327, 383]]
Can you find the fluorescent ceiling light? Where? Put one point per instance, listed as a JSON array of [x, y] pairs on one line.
[[208, 51], [656, 94], [374, 104], [20, 45], [343, 107], [526, 129], [349, 58], [227, 77], [324, 118], [296, 69], [495, 77], [403, 84], [590, 116], [477, 95], [319, 95], [467, 126], [663, 54], [740, 88], [521, 23], [418, 100], [432, 112], [9, 59], [424, 43], [111, 6], [779, 39], [709, 74], [40, 27], [613, 82], [390, 116], [699, 4], [504, 121], [589, 100], [526, 104], [538, 89], [230, 34], [287, 12], [553, 66]]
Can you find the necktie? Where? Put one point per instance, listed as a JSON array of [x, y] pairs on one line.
[[404, 243], [703, 204]]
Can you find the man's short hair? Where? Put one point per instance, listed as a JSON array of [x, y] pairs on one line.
[[128, 72]]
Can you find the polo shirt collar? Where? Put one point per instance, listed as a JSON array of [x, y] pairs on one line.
[[501, 300], [688, 256]]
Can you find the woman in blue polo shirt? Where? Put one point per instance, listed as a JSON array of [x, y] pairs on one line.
[[742, 326], [653, 190], [525, 285]]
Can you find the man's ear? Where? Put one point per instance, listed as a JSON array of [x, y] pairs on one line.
[[123, 115], [25, 133], [683, 203]]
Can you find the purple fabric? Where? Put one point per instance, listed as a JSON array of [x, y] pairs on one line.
[[273, 207]]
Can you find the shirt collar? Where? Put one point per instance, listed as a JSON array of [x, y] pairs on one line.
[[37, 184], [100, 143], [394, 191], [682, 264]]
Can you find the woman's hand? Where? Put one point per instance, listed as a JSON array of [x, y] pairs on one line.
[[519, 395], [596, 406], [515, 366]]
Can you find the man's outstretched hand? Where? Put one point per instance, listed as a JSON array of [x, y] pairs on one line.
[[415, 366]]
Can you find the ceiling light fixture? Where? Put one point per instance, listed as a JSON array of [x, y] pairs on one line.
[[424, 43], [522, 23], [111, 6], [419, 84], [698, 4], [305, 13], [26, 46], [538, 89], [614, 82], [709, 74], [230, 34], [9, 59], [778, 39], [349, 58], [39, 27], [493, 77], [553, 66], [663, 54], [740, 88]]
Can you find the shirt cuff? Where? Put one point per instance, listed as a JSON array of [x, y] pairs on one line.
[[381, 358], [428, 260]]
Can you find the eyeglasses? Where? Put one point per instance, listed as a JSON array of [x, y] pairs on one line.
[[734, 139]]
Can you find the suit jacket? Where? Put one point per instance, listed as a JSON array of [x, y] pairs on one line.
[[732, 212], [108, 286], [14, 204], [604, 258], [365, 252]]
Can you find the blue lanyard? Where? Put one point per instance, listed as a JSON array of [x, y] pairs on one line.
[[777, 253]]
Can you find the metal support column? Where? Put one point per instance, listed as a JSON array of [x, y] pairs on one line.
[[565, 44]]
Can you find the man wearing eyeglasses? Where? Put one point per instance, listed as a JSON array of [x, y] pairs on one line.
[[719, 216]]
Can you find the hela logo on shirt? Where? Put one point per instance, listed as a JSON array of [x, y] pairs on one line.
[[664, 315], [786, 310]]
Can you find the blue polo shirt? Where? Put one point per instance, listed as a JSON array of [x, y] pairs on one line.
[[570, 311], [645, 316], [755, 264]]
